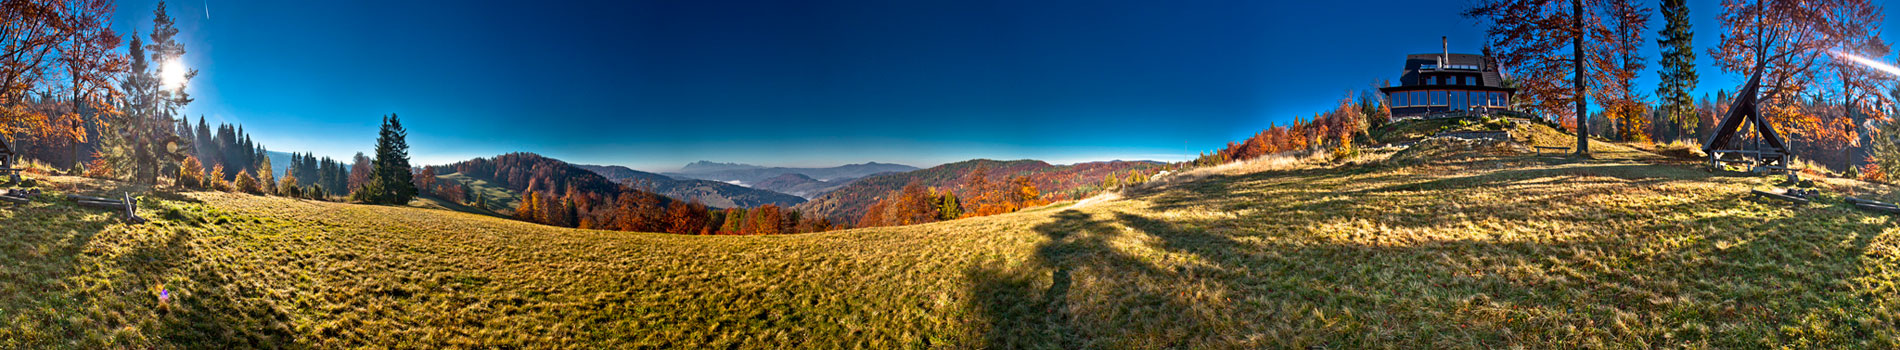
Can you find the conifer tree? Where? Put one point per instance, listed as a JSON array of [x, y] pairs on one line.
[[1677, 74], [391, 181]]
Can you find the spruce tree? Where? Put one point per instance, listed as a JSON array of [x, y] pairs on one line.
[[1678, 67], [390, 177]]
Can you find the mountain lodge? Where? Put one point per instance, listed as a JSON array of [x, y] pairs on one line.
[[1445, 82]]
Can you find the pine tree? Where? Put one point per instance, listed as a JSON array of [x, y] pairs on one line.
[[1677, 73]]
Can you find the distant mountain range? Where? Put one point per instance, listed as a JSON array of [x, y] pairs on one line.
[[712, 193], [847, 203], [809, 182]]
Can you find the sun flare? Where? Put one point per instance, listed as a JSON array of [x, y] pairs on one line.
[[1870, 63], [173, 74]]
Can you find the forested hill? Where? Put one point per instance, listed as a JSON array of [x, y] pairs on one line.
[[752, 175], [848, 203], [525, 172], [712, 193]]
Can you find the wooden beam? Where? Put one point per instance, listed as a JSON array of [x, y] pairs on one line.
[[1780, 196], [1879, 208], [90, 198], [1866, 201]]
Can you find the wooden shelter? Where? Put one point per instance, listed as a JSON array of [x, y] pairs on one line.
[[1769, 150], [9, 160]]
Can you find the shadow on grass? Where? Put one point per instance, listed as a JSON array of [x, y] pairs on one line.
[[76, 276], [1024, 312], [1734, 274]]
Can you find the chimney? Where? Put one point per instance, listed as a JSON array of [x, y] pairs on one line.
[[1446, 41]]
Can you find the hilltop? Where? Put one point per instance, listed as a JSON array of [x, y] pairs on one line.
[[1446, 244]]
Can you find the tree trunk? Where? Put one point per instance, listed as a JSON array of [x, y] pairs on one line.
[[1576, 61]]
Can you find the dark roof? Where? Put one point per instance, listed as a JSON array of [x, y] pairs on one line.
[[1414, 61]]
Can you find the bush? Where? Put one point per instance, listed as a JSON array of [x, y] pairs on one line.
[[191, 173], [1346, 150], [248, 184], [287, 187], [214, 180], [98, 169], [1497, 123]]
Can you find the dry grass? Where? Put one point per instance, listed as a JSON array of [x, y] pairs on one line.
[[1474, 251]]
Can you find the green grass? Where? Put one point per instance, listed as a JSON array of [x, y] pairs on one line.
[[1478, 251], [500, 200]]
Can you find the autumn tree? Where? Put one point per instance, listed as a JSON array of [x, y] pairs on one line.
[[1545, 44], [1619, 60], [1794, 44], [530, 207], [1677, 74], [765, 220], [266, 177], [360, 171], [426, 181], [41, 37], [686, 218]]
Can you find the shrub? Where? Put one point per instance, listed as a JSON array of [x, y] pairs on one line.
[[98, 169], [1346, 150], [287, 187], [191, 173], [1873, 173], [248, 184], [214, 180]]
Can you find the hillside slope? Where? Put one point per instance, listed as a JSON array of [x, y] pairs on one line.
[[1465, 249], [713, 193]]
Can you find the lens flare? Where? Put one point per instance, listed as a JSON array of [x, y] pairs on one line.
[[174, 74], [1869, 63]]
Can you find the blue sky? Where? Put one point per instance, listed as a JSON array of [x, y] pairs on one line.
[[654, 84]]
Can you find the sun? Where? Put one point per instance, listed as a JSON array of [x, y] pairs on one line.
[[174, 74]]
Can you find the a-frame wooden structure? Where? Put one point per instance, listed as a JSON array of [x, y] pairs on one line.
[[1771, 151], [9, 160]]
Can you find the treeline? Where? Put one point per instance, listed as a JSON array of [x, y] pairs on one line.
[[320, 173], [556, 193], [914, 204], [228, 147], [1335, 128]]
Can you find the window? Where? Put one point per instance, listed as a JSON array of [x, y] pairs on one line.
[[1497, 99], [1438, 98], [1397, 99], [1471, 81], [1458, 100], [1431, 80], [1418, 98]]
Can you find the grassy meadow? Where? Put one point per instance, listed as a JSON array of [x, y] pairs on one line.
[[1437, 246]]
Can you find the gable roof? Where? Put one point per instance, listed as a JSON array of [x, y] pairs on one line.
[[1414, 61]]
